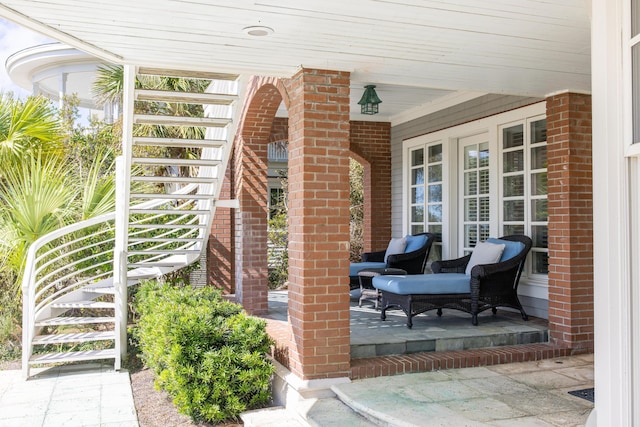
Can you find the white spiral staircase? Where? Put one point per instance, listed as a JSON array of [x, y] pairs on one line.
[[76, 279]]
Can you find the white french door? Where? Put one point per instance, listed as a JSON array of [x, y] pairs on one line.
[[474, 191]]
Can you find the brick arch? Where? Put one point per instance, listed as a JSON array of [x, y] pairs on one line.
[[250, 162]]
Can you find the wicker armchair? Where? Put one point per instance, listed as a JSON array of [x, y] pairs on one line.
[[491, 285], [412, 262]]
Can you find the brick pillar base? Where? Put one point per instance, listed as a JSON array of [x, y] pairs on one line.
[[570, 220]]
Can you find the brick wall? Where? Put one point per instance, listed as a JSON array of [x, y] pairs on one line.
[[570, 220], [220, 250], [371, 141], [319, 224], [279, 129]]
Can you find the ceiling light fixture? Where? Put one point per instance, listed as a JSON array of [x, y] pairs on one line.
[[369, 101], [258, 31]]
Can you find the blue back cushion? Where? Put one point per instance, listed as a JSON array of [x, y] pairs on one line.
[[415, 242], [511, 249]]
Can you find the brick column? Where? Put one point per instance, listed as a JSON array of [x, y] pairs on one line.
[[319, 224], [570, 220], [372, 142]]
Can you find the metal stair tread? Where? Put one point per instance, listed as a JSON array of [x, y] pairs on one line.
[[158, 264], [103, 290], [75, 356], [170, 196], [83, 304], [176, 179], [74, 337], [160, 161], [152, 119], [179, 142], [73, 320], [160, 226], [168, 212], [205, 98]]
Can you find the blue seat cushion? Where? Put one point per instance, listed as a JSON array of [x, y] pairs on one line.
[[446, 283], [414, 242], [511, 249], [354, 267]]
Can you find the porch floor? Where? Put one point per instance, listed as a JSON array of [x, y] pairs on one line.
[[372, 337]]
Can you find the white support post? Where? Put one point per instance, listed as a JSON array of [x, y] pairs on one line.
[[123, 181]]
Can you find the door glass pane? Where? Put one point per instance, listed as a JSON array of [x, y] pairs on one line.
[[513, 161], [470, 235], [470, 183], [539, 131], [484, 232], [435, 213], [435, 153], [437, 230], [417, 228], [513, 136], [513, 185], [514, 210], [539, 184], [540, 263], [435, 193], [484, 155], [539, 157], [417, 195], [540, 236], [484, 181], [470, 157], [484, 213], [539, 210], [513, 229], [417, 157], [471, 210], [417, 176], [417, 214], [435, 173]]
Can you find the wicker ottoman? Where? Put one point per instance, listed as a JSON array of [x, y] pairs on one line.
[[367, 291]]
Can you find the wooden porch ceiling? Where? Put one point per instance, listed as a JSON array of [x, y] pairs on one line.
[[417, 52]]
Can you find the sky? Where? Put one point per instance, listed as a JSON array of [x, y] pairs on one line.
[[12, 39]]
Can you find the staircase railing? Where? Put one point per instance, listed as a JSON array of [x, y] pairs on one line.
[[161, 223], [71, 258]]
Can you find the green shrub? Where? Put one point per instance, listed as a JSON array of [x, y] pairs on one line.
[[206, 352]]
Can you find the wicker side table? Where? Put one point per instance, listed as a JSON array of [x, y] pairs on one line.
[[367, 291]]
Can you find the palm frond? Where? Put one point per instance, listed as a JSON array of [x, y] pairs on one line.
[[37, 199]]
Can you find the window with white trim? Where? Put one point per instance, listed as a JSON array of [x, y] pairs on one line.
[[523, 176]]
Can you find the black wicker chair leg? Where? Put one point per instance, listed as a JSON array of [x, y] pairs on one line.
[[494, 310], [439, 312], [524, 315], [474, 319], [409, 322], [383, 314]]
